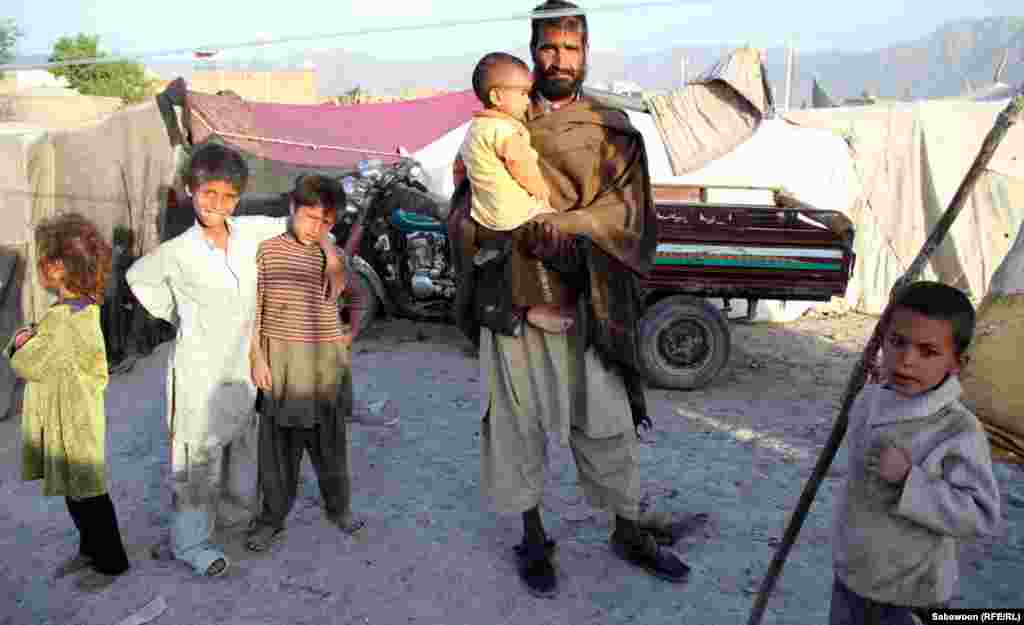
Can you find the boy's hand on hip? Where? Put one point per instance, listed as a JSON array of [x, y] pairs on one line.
[[335, 268], [335, 280], [261, 374], [894, 464]]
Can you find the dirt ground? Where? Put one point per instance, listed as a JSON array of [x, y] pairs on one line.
[[739, 450]]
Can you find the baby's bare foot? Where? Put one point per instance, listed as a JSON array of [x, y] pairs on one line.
[[548, 320]]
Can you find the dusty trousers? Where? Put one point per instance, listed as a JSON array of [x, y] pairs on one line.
[[529, 381]]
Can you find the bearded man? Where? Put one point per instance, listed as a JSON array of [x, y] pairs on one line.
[[581, 386]]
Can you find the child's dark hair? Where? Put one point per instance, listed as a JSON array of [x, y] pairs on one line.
[[569, 23], [317, 190], [483, 73], [939, 301], [76, 242], [215, 162]]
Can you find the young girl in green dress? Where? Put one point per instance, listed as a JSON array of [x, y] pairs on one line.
[[64, 361]]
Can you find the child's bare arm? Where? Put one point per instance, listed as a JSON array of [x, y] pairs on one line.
[[953, 491], [521, 161], [148, 280], [257, 359]]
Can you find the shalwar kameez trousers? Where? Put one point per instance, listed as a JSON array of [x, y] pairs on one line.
[[305, 411], [530, 381]]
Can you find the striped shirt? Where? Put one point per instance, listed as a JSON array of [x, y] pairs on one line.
[[290, 283]]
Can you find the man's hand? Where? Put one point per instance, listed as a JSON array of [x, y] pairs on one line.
[[22, 337], [544, 239], [558, 250], [261, 373], [894, 464], [346, 339]]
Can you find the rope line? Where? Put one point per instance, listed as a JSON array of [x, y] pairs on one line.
[[300, 144], [349, 33]]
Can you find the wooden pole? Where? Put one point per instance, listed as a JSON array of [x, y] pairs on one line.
[[1004, 121]]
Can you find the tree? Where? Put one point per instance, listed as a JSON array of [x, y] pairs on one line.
[[121, 79], [9, 34]]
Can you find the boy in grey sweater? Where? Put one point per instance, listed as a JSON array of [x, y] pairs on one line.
[[920, 473]]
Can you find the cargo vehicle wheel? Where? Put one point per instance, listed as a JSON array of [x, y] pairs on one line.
[[684, 342]]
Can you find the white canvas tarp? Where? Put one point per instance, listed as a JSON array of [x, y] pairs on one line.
[[20, 147], [114, 171], [910, 160], [991, 379]]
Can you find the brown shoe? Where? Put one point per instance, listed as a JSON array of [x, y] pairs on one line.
[[668, 528], [94, 581], [646, 553], [348, 523], [72, 565], [261, 537]]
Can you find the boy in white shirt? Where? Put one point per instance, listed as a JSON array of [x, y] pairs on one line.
[[204, 281]]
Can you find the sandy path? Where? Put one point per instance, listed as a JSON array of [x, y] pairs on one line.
[[433, 553]]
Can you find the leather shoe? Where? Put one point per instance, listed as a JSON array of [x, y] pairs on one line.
[[648, 555], [535, 568]]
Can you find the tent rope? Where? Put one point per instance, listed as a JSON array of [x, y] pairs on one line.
[[288, 142]]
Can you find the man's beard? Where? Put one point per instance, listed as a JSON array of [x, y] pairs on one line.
[[555, 87]]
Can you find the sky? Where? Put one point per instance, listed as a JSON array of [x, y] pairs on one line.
[[137, 26]]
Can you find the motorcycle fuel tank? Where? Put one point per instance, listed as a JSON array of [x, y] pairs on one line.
[[405, 221]]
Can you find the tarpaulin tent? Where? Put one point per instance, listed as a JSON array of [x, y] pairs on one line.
[[52, 108], [113, 170], [20, 144], [280, 141], [910, 159]]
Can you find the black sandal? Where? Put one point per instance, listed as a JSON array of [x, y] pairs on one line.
[[536, 569]]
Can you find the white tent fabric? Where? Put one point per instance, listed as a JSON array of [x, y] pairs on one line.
[[20, 144], [438, 157], [910, 159], [814, 165]]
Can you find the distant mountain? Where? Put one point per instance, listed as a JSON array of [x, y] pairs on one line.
[[957, 55]]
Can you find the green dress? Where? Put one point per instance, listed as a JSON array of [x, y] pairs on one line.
[[63, 421]]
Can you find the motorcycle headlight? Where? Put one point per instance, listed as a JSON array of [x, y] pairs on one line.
[[369, 168], [351, 208], [348, 183]]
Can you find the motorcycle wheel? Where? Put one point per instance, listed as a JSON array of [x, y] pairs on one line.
[[362, 303]]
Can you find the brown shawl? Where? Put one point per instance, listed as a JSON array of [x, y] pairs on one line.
[[595, 163]]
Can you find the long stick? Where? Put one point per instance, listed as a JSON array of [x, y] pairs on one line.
[[858, 377]]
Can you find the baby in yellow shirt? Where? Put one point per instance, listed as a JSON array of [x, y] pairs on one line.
[[508, 189]]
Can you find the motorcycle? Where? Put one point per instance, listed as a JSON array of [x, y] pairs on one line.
[[394, 234]]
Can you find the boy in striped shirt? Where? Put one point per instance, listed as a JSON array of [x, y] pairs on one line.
[[301, 360]]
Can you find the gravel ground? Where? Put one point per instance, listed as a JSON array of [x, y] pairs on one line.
[[739, 450]]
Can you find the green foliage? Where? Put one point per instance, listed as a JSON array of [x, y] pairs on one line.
[[849, 134], [122, 79], [9, 34]]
